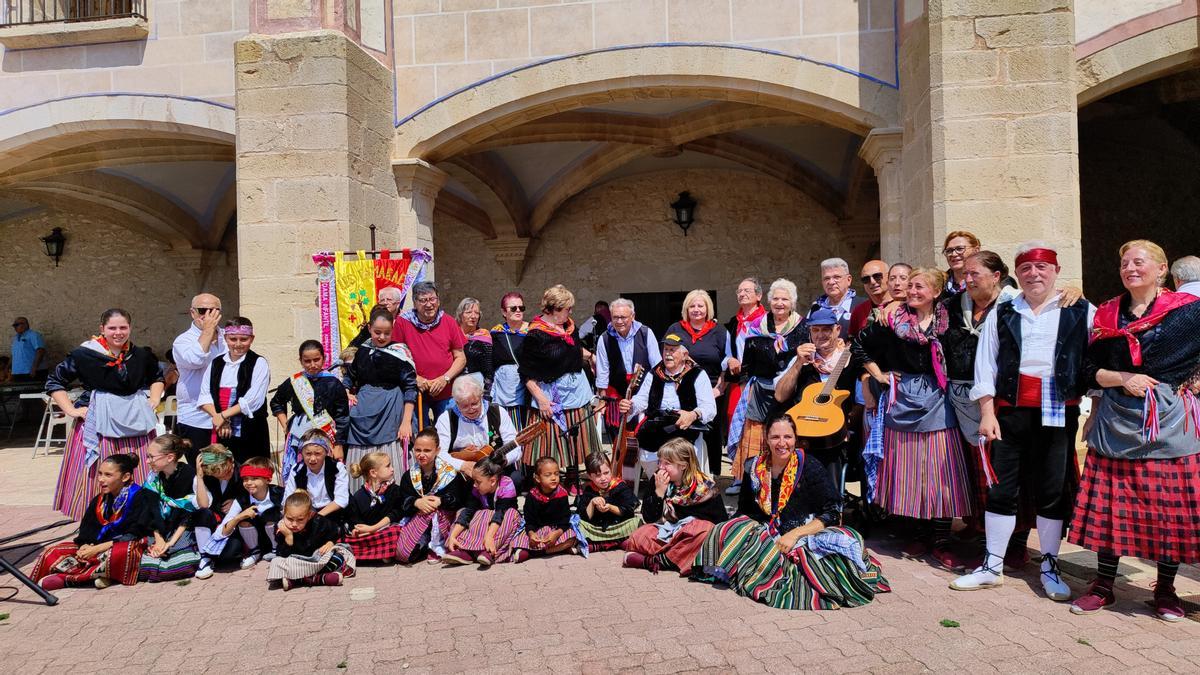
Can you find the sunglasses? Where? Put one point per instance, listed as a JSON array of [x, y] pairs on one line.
[[877, 278], [205, 310], [517, 308]]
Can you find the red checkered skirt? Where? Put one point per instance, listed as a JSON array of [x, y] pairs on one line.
[[471, 539], [416, 532], [1146, 508], [522, 539], [379, 545]]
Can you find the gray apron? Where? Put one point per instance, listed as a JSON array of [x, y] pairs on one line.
[[920, 406], [1117, 426]]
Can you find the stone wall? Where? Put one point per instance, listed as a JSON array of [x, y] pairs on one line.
[[189, 53], [617, 237], [441, 46], [105, 265]]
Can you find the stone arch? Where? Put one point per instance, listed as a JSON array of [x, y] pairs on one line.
[[1136, 59], [825, 93]]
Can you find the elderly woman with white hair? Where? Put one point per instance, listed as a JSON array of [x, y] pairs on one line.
[[769, 346], [479, 343], [471, 423], [1186, 272], [708, 346]]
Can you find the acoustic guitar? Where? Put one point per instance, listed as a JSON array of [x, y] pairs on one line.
[[476, 453], [819, 412], [625, 437]]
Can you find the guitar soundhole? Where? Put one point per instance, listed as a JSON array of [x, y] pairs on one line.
[[823, 399]]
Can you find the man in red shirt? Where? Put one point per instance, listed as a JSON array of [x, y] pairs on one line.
[[874, 280], [436, 343]]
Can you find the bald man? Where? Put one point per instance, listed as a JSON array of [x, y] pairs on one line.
[[202, 342], [874, 280]]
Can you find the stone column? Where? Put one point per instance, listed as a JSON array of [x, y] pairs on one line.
[[314, 127], [417, 185], [993, 144], [881, 150]]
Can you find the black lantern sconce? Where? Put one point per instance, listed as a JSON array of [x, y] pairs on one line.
[[55, 244], [685, 211]]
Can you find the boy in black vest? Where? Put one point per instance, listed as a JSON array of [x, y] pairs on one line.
[[1029, 378], [677, 401], [325, 479]]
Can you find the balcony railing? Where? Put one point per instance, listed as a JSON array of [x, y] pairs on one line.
[[29, 12]]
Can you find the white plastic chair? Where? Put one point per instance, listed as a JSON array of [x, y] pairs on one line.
[[167, 411], [54, 418]]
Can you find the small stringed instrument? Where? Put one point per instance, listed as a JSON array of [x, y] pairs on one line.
[[621, 442], [819, 412], [476, 453]]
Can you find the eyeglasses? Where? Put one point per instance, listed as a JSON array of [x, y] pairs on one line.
[[957, 250], [205, 310], [517, 308], [877, 278]]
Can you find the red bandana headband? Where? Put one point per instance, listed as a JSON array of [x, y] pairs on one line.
[[1038, 255], [240, 330], [256, 472]]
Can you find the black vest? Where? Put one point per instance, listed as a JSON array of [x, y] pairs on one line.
[[617, 377], [331, 472], [493, 427], [685, 390], [244, 378], [1069, 351]]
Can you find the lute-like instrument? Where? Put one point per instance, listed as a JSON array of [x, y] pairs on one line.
[[819, 412], [476, 453], [621, 442]]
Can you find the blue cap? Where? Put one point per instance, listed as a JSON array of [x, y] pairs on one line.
[[822, 317]]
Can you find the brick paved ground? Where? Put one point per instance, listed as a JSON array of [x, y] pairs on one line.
[[563, 615]]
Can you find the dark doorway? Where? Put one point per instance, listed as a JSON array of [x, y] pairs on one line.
[[660, 310]]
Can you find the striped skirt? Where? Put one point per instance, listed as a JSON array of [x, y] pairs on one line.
[[606, 539], [471, 539], [180, 562], [742, 553], [752, 444], [395, 450], [517, 414], [522, 539], [924, 475], [379, 545], [120, 563], [567, 449], [1147, 508], [417, 535], [76, 485], [296, 567], [680, 549]]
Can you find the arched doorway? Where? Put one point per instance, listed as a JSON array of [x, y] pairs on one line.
[[563, 172], [143, 188]]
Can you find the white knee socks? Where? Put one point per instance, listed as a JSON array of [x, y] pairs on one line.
[[998, 531]]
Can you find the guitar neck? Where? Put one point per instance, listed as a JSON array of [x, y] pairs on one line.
[[836, 372]]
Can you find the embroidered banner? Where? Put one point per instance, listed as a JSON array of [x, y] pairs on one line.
[[355, 293]]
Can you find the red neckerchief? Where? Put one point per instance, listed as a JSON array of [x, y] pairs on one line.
[[697, 334], [744, 322], [119, 357], [563, 332], [559, 493], [1108, 320]]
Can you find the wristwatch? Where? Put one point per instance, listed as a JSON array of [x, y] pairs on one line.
[[446, 378]]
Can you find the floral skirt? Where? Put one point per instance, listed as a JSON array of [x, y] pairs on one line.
[[120, 563]]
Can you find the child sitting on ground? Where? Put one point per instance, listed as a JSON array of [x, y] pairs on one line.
[[547, 516], [173, 554], [373, 515], [488, 522], [606, 506], [246, 533], [430, 494], [325, 479], [306, 548]]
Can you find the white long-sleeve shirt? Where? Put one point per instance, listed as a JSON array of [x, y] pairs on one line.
[[474, 432], [706, 405], [316, 487], [255, 398], [1039, 334], [626, 345], [192, 364]]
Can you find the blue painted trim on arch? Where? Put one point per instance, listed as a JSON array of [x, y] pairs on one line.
[[190, 99], [554, 59]]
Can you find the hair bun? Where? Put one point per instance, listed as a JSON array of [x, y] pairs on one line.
[[355, 470]]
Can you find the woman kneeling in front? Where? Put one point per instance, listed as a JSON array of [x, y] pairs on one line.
[[785, 547]]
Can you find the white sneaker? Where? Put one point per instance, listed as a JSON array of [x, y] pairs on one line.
[[268, 557], [102, 582], [1056, 589], [206, 569], [984, 576], [250, 561]]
